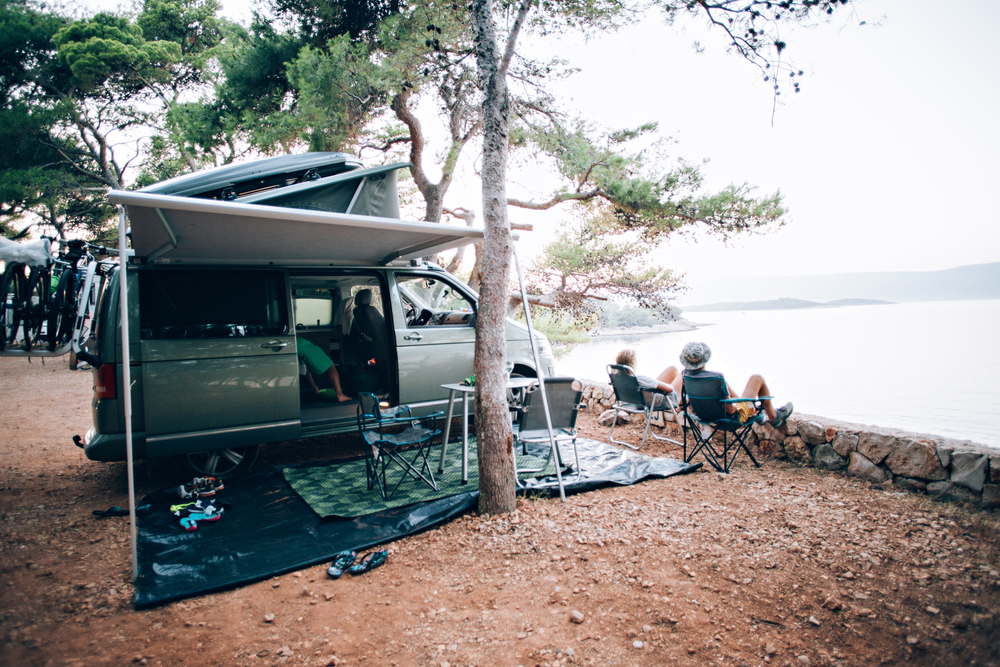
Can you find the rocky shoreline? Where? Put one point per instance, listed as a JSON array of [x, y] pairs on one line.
[[946, 469]]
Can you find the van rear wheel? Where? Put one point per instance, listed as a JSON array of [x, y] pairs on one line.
[[217, 463]]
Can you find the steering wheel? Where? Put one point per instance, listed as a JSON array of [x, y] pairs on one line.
[[425, 317], [410, 316]]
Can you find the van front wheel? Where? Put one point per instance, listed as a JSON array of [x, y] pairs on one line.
[[217, 463]]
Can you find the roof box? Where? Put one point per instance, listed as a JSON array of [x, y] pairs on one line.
[[236, 181]]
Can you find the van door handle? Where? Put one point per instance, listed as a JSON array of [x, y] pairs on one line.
[[274, 344], [413, 336]]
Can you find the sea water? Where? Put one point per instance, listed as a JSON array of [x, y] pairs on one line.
[[930, 367]]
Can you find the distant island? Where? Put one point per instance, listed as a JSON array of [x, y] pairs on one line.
[[977, 281], [783, 304]]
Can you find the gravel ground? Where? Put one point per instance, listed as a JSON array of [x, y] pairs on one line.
[[780, 565]]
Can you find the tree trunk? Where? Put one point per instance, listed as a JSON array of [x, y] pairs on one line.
[[494, 439]]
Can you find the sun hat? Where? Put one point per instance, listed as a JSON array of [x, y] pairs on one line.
[[695, 355]]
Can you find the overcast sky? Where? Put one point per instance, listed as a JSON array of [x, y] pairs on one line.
[[887, 159]]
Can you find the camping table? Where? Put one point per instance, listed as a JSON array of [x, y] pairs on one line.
[[466, 391]]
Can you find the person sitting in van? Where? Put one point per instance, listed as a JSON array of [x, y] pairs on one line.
[[318, 364], [695, 355], [667, 383]]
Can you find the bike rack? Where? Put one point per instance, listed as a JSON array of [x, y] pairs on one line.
[[58, 352], [85, 308]]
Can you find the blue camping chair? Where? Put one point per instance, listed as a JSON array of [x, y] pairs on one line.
[[383, 449], [630, 398], [705, 400]]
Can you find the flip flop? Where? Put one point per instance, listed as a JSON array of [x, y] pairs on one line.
[[341, 562], [370, 561], [118, 511]]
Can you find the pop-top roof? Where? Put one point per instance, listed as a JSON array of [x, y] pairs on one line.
[[360, 191]]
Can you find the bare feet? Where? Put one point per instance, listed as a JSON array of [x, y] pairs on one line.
[[341, 397]]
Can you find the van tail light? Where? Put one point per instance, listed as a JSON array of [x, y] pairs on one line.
[[104, 381]]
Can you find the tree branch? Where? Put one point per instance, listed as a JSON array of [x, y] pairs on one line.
[[508, 53], [388, 144], [556, 200]]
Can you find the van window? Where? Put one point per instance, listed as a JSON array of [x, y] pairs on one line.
[[211, 303], [313, 307], [430, 301]]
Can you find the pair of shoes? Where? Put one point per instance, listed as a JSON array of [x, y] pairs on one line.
[[781, 416], [370, 561], [200, 487], [341, 562]]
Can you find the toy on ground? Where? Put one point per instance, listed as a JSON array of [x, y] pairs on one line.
[[193, 513]]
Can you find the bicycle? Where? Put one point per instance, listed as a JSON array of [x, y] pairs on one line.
[[35, 314]]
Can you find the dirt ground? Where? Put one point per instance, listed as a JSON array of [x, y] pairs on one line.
[[780, 565]]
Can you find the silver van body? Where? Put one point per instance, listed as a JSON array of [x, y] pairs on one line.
[[222, 291]]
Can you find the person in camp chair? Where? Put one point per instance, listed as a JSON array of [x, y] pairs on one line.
[[667, 383], [317, 363], [695, 355]]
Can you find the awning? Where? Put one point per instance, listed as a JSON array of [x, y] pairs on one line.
[[166, 229]]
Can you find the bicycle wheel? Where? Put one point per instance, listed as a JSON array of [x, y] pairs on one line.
[[62, 310], [34, 317], [12, 297]]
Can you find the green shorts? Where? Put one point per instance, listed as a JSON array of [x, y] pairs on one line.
[[314, 358]]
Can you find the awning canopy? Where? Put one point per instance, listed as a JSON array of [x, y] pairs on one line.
[[167, 229]]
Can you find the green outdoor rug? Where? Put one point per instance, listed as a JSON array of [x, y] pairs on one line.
[[341, 490]]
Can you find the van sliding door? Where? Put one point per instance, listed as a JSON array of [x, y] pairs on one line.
[[219, 365]]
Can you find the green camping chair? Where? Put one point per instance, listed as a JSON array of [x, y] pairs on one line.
[[383, 449]]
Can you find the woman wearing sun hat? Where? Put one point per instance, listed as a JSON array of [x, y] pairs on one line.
[[695, 355]]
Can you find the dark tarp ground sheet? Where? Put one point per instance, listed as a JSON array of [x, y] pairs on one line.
[[267, 529]]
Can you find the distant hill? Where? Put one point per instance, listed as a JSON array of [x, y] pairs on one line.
[[781, 304], [977, 281]]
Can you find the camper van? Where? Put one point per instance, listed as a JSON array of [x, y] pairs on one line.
[[235, 267]]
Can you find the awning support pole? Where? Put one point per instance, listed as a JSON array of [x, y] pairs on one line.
[[541, 374], [127, 384]]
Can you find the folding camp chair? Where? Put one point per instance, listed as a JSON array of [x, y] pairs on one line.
[[383, 449], [705, 400], [630, 398], [564, 396]]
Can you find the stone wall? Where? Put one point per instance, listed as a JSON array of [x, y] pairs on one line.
[[947, 469]]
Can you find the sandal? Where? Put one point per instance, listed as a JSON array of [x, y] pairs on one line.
[[118, 511], [341, 562], [370, 561]]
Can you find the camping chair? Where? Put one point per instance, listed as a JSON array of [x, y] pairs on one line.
[[630, 398], [705, 400], [564, 396], [384, 449]]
